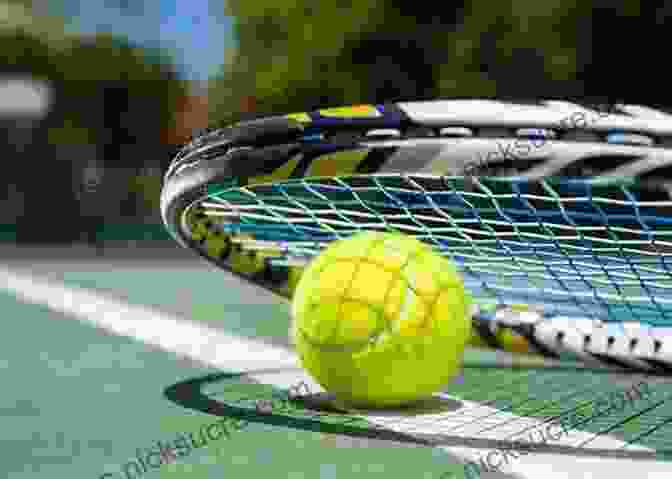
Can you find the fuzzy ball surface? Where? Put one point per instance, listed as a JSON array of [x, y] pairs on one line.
[[381, 319]]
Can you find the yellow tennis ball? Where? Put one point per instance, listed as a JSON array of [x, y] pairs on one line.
[[381, 319]]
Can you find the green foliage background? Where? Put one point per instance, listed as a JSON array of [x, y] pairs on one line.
[[298, 55], [109, 94], [295, 55], [84, 67]]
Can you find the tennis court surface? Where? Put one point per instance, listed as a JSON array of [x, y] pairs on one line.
[[109, 360]]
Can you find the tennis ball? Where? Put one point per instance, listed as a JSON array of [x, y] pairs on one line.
[[380, 319]]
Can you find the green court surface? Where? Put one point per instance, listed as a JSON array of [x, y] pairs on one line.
[[81, 402], [78, 402]]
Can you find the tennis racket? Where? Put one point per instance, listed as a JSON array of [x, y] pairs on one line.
[[558, 215]]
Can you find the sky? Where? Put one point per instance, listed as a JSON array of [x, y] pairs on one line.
[[190, 29]]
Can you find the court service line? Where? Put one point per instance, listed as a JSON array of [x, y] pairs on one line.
[[164, 331]]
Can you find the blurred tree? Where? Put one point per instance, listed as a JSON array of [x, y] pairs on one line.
[[107, 94], [294, 55], [130, 94], [516, 48], [297, 54], [32, 48], [622, 57]]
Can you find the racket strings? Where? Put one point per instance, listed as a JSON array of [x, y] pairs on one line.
[[575, 246]]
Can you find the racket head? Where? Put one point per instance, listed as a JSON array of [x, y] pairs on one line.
[[260, 199]]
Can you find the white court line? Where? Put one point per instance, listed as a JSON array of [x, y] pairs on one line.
[[162, 330], [217, 349]]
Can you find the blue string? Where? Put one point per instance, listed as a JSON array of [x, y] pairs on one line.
[[565, 270]]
